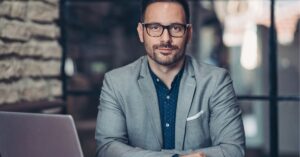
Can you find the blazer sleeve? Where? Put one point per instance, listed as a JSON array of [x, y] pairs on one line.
[[225, 123], [111, 133], [226, 126]]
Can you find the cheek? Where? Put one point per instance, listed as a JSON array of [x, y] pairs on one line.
[[185, 41], [149, 42], [180, 42], [148, 45]]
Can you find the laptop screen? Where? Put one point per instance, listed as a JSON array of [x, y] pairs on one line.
[[38, 135]]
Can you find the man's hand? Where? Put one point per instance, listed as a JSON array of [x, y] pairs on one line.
[[195, 155]]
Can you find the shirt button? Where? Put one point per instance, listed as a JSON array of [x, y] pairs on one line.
[[167, 125], [168, 97], [157, 80]]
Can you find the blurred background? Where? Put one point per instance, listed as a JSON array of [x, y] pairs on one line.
[[54, 53]]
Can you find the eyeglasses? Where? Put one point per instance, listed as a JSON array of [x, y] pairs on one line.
[[175, 30]]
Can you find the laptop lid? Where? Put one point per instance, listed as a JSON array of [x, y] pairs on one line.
[[38, 135]]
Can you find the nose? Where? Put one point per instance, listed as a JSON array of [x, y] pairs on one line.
[[165, 37]]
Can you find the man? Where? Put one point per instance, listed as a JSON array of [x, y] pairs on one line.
[[166, 104]]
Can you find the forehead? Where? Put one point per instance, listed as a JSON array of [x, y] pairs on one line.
[[165, 13]]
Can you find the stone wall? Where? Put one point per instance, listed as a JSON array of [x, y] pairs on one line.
[[30, 55]]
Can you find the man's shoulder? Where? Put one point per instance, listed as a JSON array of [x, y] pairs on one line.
[[209, 77], [203, 69], [129, 71]]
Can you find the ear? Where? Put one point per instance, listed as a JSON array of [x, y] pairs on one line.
[[140, 32], [190, 33]]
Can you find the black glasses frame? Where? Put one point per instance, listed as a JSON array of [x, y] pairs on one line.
[[185, 26]]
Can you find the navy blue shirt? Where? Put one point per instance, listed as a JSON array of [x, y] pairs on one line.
[[167, 100]]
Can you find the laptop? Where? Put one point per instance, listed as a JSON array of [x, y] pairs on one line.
[[38, 135]]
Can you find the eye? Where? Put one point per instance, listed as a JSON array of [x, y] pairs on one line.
[[177, 28], [154, 27]]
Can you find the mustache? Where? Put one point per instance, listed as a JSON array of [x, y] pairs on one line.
[[165, 45]]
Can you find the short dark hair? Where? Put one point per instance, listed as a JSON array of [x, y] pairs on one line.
[[183, 3]]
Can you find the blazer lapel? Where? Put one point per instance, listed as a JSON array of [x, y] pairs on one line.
[[186, 94], [150, 98]]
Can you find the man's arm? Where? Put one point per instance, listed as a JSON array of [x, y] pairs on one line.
[[111, 133], [226, 127]]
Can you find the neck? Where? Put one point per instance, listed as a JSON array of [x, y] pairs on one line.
[[166, 72]]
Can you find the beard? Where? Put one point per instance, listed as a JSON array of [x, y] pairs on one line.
[[167, 60]]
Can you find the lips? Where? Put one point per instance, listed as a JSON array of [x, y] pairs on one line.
[[165, 51], [165, 48]]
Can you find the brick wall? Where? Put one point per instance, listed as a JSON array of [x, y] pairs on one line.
[[30, 55]]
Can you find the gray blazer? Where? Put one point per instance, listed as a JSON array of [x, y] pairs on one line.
[[208, 118]]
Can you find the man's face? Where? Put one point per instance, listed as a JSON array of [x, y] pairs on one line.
[[165, 49]]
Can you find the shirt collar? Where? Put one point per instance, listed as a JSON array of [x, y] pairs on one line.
[[177, 78]]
